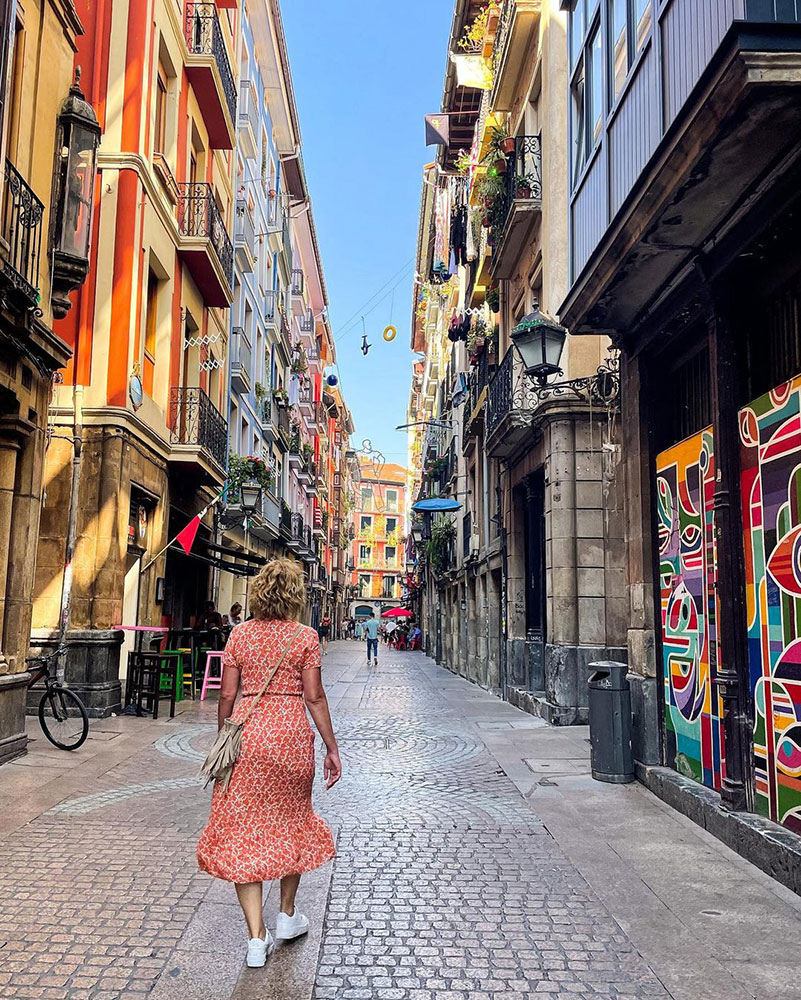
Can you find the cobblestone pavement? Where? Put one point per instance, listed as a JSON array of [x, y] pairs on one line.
[[447, 886]]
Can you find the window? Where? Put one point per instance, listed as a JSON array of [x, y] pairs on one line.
[[367, 498], [595, 81], [365, 553], [579, 129], [392, 525], [577, 27], [618, 32], [366, 523], [160, 127], [151, 324], [392, 499], [629, 27], [392, 554], [364, 585], [642, 21], [388, 586]]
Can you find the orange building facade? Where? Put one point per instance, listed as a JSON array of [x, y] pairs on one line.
[[378, 548], [145, 392]]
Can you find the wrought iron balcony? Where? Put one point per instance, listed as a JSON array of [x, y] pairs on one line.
[[286, 521], [196, 425], [22, 233], [206, 245], [297, 281], [511, 402], [209, 71], [521, 207], [269, 305], [479, 379]]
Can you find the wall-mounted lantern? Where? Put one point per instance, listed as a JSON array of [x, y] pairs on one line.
[[77, 139]]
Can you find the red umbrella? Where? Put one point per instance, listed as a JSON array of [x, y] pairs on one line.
[[398, 613]]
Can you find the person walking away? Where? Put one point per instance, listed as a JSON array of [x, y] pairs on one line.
[[359, 631], [324, 632], [371, 631], [262, 826]]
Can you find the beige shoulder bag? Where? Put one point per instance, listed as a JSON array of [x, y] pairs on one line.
[[219, 764]]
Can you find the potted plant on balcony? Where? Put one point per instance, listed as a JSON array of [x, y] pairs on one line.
[[281, 397], [438, 547], [299, 366], [524, 185], [493, 299], [477, 338], [500, 145], [474, 32], [308, 452], [244, 469]]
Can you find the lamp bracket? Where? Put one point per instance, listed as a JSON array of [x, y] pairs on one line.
[[600, 389]]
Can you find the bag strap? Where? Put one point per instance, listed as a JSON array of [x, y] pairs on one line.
[[272, 674]]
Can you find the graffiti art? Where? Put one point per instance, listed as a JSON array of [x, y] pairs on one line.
[[770, 461], [688, 574]]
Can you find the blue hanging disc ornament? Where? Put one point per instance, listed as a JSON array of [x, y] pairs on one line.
[[332, 381]]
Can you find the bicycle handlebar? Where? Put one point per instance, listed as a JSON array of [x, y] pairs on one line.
[[47, 657]]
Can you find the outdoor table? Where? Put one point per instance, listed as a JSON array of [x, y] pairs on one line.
[[139, 631]]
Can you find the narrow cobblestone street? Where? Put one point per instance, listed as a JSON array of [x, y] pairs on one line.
[[477, 860]]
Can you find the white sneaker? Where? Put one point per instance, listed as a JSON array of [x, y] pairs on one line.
[[259, 951], [287, 928]]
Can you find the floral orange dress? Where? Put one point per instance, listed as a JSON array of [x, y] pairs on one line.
[[264, 826]]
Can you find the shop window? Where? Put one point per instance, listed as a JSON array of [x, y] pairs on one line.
[[685, 405]]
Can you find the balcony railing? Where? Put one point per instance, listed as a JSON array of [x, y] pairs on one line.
[[297, 281], [249, 107], [269, 304], [204, 37], [195, 420], [245, 227], [22, 232], [523, 178], [509, 390], [198, 216], [286, 520], [241, 358]]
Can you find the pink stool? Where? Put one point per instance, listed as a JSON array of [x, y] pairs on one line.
[[211, 683]]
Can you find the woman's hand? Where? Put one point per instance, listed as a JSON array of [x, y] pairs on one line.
[[332, 768]]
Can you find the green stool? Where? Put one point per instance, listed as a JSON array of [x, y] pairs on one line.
[[187, 676]]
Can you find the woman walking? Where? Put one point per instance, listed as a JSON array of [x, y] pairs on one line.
[[263, 826]]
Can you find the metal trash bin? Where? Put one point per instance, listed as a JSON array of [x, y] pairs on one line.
[[610, 723]]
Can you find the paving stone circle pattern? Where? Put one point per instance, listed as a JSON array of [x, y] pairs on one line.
[[447, 886]]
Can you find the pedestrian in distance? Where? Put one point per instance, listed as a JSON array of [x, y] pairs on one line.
[[235, 617], [262, 825], [324, 632], [359, 631], [371, 632]]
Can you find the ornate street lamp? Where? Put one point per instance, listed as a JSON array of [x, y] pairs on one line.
[[540, 341], [77, 139], [250, 494]]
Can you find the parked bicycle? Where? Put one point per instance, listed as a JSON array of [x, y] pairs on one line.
[[62, 714]]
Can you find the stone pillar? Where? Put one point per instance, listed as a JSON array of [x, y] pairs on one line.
[[14, 435], [641, 638]]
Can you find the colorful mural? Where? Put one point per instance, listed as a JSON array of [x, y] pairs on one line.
[[688, 575], [770, 461]]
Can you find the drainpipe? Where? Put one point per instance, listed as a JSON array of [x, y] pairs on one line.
[[504, 577], [72, 524]]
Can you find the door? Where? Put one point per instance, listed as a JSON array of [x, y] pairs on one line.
[[533, 495]]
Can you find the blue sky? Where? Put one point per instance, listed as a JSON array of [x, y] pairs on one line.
[[365, 73]]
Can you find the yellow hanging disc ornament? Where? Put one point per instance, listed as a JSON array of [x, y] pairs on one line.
[[390, 334]]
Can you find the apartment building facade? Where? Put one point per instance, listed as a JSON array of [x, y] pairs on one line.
[[379, 533], [44, 249], [525, 584], [683, 199]]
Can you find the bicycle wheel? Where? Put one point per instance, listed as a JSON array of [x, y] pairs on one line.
[[63, 718]]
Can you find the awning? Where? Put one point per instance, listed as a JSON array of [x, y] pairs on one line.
[[437, 505]]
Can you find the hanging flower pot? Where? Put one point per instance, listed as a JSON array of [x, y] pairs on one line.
[[486, 221], [523, 191], [500, 165], [508, 145]]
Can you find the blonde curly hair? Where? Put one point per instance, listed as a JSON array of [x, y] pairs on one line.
[[279, 591]]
